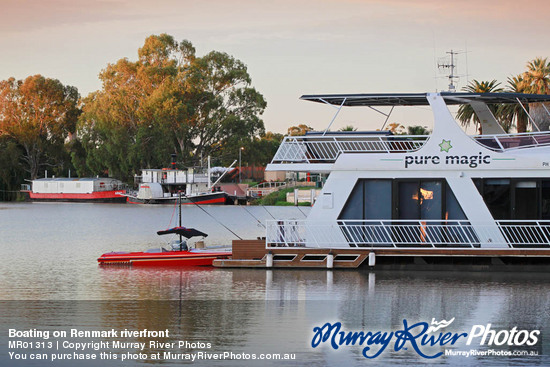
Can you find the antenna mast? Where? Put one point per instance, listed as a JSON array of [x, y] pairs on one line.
[[448, 64]]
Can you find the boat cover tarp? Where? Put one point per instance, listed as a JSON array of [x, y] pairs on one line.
[[185, 232]]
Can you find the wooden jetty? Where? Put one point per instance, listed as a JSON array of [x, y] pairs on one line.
[[255, 254]]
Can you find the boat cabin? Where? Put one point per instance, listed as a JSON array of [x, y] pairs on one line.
[[444, 190]]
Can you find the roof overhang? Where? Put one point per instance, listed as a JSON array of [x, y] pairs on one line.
[[420, 99]]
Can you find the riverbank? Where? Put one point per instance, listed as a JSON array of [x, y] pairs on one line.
[[279, 198]]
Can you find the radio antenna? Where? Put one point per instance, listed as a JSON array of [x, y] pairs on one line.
[[446, 65]]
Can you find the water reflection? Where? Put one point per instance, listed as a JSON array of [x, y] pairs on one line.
[[51, 275]]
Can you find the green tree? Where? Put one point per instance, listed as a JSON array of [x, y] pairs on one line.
[[11, 169], [262, 148], [228, 108], [418, 130], [38, 114], [466, 113], [537, 76], [348, 128], [299, 130], [510, 112], [168, 101]]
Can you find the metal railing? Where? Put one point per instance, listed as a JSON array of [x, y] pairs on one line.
[[504, 142], [408, 233], [326, 149], [265, 188]]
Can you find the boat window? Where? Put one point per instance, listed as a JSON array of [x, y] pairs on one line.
[[545, 199], [453, 209], [526, 199], [414, 199], [353, 209], [420, 200], [496, 193], [408, 200], [370, 199], [516, 198], [377, 199], [430, 200]]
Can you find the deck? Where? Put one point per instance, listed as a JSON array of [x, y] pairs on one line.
[[254, 254]]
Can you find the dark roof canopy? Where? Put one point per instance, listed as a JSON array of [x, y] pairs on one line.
[[420, 99], [183, 231]]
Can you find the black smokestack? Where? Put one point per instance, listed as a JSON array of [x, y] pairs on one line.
[[173, 161]]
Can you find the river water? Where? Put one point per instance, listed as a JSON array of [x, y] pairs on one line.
[[50, 282]]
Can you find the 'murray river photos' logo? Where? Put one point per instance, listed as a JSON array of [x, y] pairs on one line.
[[418, 337]]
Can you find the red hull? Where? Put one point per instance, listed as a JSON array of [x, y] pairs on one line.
[[219, 201], [169, 258], [97, 196]]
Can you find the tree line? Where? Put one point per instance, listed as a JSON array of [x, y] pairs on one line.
[[535, 79], [168, 101]]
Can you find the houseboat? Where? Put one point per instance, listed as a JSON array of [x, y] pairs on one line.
[[162, 186], [396, 201], [98, 189]]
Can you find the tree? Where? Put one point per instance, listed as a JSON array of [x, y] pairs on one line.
[[466, 113], [511, 112], [537, 78], [348, 128], [263, 148], [299, 130], [395, 128], [228, 109], [168, 101], [418, 130], [38, 114], [11, 169]]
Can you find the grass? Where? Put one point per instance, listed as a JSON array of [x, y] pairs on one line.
[[278, 198]]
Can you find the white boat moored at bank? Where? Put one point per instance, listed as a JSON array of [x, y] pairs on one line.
[[443, 191]]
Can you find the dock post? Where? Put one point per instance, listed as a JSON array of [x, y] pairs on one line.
[[312, 198], [372, 282], [269, 260], [330, 279], [295, 197], [268, 278], [372, 258], [330, 260]]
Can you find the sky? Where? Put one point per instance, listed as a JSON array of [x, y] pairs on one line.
[[291, 47]]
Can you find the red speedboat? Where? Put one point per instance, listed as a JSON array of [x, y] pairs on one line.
[[195, 257], [177, 255]]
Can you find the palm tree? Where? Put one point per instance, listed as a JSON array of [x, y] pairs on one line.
[[348, 128], [466, 113], [537, 76], [512, 111]]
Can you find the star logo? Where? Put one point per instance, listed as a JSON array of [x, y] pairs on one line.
[[445, 145]]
